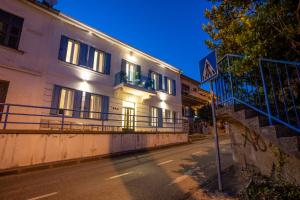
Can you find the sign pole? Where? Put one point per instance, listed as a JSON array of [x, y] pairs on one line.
[[218, 160]]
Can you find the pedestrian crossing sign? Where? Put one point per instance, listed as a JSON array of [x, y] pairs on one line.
[[208, 67]]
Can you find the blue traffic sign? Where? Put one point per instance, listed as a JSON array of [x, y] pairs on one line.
[[208, 67]]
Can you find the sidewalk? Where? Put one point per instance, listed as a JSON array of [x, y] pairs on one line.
[[232, 184]]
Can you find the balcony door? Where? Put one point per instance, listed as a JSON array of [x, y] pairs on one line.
[[131, 71], [128, 119], [3, 94]]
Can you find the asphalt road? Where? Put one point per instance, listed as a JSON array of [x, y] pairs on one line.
[[169, 173]]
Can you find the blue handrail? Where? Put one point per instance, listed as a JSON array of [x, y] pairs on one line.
[[270, 87]]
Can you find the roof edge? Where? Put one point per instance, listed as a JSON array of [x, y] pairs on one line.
[[84, 27]]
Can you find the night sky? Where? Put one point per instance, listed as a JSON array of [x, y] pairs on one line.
[[169, 30]]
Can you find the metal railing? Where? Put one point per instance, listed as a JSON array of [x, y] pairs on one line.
[[28, 117], [138, 81], [270, 87]]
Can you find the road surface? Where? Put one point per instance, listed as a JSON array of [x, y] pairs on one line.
[[170, 173]]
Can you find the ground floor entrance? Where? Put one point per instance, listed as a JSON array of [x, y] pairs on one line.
[[128, 119]]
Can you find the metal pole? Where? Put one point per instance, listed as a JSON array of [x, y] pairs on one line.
[[63, 120], [6, 117], [218, 163]]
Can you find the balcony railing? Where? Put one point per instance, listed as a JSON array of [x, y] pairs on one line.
[[271, 87], [28, 117], [141, 82]]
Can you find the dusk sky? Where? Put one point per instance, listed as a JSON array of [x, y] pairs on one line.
[[167, 29]]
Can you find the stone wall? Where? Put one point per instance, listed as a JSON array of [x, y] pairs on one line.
[[251, 149], [20, 149]]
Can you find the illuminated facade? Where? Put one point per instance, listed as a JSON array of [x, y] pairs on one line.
[[55, 61]]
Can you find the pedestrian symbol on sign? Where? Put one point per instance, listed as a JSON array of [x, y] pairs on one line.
[[208, 71]]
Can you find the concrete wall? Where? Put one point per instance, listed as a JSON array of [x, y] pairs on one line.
[[251, 149], [20, 150]]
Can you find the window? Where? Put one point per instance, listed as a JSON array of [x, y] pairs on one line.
[[169, 115], [98, 64], [185, 89], [10, 29], [72, 52], [169, 87], [95, 108], [155, 79], [154, 116], [131, 70], [66, 101]]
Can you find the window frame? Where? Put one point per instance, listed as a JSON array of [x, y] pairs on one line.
[[97, 113], [12, 23], [68, 111], [155, 82], [154, 119], [103, 59], [74, 42]]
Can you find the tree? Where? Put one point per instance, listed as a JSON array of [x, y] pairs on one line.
[[255, 28]]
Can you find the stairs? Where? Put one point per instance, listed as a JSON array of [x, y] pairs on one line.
[[283, 137]]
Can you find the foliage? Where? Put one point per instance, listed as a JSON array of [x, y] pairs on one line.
[[265, 188], [255, 28]]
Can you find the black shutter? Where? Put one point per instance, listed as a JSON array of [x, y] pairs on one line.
[[63, 48], [77, 104], [166, 84], [83, 54], [105, 108], [160, 82], [160, 117], [107, 63], [174, 87], [55, 100], [87, 105], [138, 72], [91, 57]]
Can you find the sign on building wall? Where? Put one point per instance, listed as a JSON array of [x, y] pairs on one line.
[[208, 67]]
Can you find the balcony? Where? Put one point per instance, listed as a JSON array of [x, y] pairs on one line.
[[141, 86]]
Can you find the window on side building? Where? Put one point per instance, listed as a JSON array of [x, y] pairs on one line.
[[10, 29]]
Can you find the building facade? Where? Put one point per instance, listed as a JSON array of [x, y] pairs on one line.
[[193, 99], [79, 77]]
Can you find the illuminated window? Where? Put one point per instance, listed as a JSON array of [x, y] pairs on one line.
[[154, 116], [66, 101], [131, 71], [95, 106], [72, 52], [169, 115], [155, 79], [98, 64], [169, 86]]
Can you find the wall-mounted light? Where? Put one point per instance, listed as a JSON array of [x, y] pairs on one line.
[[131, 57]]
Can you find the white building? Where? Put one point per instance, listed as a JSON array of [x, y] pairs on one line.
[[90, 80]]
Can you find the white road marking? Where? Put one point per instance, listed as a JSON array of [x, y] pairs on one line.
[[120, 175], [44, 196], [165, 162]]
